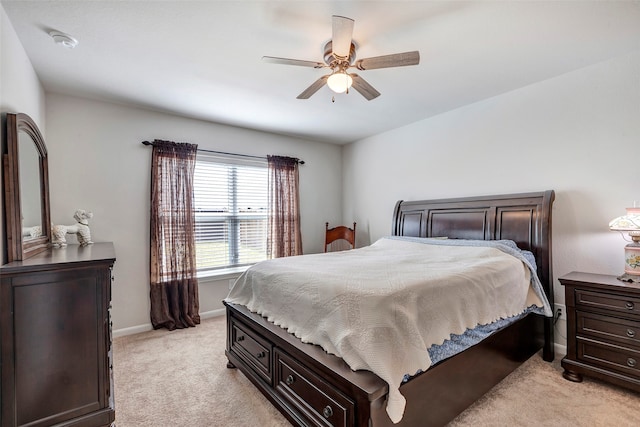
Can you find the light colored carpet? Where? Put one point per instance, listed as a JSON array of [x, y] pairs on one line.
[[180, 378]]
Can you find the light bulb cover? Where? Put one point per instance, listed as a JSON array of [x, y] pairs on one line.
[[339, 82]]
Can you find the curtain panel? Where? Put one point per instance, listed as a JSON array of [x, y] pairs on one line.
[[284, 237], [174, 283]]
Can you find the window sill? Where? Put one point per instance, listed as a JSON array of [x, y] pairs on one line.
[[226, 273]]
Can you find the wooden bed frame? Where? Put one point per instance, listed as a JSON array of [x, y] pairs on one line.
[[313, 388]]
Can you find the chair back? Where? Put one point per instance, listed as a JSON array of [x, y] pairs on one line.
[[340, 232]]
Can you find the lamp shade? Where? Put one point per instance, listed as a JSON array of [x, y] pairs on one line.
[[628, 222], [339, 81]]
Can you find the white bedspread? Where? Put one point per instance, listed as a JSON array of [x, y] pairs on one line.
[[380, 307]]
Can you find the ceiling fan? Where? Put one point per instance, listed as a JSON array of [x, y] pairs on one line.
[[339, 56]]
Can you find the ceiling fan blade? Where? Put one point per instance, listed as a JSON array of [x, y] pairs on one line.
[[364, 88], [341, 36], [387, 61], [287, 61], [315, 86]]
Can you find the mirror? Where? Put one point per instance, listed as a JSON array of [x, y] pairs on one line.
[[28, 224], [30, 203]]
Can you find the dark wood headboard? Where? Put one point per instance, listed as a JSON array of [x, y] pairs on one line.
[[524, 218]]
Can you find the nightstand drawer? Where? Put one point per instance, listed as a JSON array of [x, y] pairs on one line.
[[608, 328], [610, 357], [610, 302], [253, 349], [315, 399]]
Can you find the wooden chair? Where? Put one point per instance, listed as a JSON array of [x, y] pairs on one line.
[[340, 232]]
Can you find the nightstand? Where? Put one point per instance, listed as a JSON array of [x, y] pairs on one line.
[[603, 329]]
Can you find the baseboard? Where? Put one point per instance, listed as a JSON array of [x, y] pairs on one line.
[[148, 327], [560, 350], [131, 330], [212, 313]]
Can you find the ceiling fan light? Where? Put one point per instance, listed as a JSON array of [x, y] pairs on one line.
[[339, 82]]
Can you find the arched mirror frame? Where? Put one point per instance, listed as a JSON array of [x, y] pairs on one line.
[[17, 248]]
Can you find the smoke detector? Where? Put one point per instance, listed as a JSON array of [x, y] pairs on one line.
[[63, 39]]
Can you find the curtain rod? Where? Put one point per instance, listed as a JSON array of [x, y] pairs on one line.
[[229, 154]]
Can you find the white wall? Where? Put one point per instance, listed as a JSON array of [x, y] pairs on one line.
[[20, 92], [97, 163], [578, 134], [571, 133], [20, 89]]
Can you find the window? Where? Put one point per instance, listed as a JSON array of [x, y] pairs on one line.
[[231, 208]]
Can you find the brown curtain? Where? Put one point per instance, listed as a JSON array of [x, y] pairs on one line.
[[174, 284], [284, 219]]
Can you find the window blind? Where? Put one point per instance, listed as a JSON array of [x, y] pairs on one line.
[[231, 208]]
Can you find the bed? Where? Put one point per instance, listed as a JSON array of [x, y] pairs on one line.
[[312, 387]]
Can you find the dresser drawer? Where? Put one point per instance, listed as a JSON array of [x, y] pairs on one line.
[[253, 349], [608, 328], [610, 357], [610, 302], [316, 400]]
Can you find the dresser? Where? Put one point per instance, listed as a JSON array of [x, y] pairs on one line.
[[56, 338], [603, 329]]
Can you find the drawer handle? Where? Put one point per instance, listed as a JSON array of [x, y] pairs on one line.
[[241, 338], [629, 305], [290, 380], [327, 411], [631, 333], [631, 362], [261, 355]]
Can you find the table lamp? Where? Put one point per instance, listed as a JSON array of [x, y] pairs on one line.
[[630, 223]]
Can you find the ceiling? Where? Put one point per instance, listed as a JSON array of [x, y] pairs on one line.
[[202, 59]]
